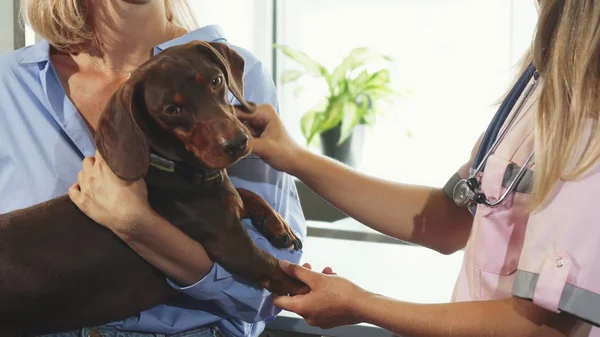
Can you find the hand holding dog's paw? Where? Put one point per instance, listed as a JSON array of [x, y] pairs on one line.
[[108, 200], [332, 300]]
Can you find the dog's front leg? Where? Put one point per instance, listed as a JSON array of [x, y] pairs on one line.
[[268, 221], [228, 243]]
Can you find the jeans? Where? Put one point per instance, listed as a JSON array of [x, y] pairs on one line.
[[112, 332]]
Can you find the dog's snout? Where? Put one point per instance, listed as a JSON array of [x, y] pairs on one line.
[[236, 146]]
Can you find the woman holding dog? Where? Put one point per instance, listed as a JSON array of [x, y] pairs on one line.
[[54, 92], [531, 265]]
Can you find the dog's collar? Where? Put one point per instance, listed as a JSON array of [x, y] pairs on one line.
[[196, 176]]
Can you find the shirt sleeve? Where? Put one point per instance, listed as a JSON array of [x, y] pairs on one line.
[[241, 302], [559, 266], [462, 172]]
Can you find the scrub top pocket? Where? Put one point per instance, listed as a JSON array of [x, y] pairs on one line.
[[498, 232]]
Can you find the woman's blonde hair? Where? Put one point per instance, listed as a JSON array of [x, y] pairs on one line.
[[65, 24], [566, 52]]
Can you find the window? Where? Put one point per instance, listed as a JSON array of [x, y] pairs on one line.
[[456, 56]]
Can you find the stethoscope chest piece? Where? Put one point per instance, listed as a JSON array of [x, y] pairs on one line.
[[462, 194], [467, 193]]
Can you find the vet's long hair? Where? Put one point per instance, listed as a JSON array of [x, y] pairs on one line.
[[566, 51], [65, 23]]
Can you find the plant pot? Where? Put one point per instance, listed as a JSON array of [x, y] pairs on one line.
[[349, 152]]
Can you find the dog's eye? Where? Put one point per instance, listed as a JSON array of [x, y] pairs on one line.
[[217, 81], [172, 110]]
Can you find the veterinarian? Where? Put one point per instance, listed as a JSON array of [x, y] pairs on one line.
[[53, 93], [531, 264]]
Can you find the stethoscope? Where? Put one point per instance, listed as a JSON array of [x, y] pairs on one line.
[[467, 192]]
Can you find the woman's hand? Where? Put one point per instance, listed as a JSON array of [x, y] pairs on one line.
[[101, 195], [123, 208], [271, 141], [331, 301]]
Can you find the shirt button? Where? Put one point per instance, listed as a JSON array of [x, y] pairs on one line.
[[560, 262]]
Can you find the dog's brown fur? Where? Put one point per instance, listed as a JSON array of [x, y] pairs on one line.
[[59, 270]]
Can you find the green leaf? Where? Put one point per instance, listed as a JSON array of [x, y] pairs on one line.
[[380, 92], [357, 57], [310, 122], [291, 75], [361, 79], [381, 77], [312, 67], [369, 119], [351, 118], [334, 114], [367, 84], [366, 112]]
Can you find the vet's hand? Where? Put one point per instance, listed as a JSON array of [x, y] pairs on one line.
[[326, 270], [271, 141], [330, 302], [108, 200]]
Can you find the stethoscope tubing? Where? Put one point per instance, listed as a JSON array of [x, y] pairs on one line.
[[500, 138], [478, 197]]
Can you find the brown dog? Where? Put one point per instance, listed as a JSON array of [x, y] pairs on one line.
[[170, 123]]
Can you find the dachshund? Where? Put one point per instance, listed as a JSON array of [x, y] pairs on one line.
[[170, 123]]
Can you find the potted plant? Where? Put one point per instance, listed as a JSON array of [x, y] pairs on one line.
[[352, 99]]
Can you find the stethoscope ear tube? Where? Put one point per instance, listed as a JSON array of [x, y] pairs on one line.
[[500, 117], [467, 192]]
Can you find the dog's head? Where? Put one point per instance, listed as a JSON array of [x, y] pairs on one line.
[[177, 103]]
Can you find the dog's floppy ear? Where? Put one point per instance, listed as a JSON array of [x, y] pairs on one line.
[[119, 139], [232, 65]]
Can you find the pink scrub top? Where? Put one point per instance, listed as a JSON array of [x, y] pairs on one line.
[[551, 256]]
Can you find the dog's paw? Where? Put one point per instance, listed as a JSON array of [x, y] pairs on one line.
[[277, 231], [283, 285]]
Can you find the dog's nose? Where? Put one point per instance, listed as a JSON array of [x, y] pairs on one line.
[[237, 145]]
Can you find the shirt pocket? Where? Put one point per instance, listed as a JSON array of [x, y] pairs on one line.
[[499, 231]]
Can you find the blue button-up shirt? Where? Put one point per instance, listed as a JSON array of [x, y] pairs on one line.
[[43, 141]]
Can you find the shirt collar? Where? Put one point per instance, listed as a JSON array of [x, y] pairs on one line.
[[37, 53], [40, 52]]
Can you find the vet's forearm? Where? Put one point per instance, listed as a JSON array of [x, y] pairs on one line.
[[463, 319], [168, 249], [418, 214]]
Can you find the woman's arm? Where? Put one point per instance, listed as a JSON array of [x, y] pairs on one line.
[[334, 301], [513, 317], [123, 208], [421, 215], [418, 214], [168, 249]]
